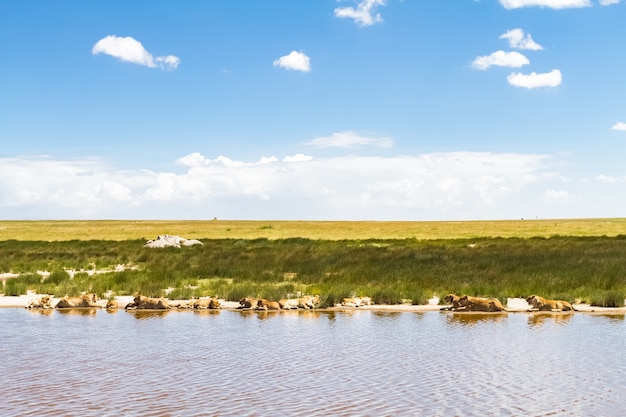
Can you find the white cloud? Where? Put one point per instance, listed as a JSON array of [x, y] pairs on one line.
[[436, 185], [535, 80], [608, 2], [552, 4], [619, 126], [607, 179], [501, 59], [350, 139], [296, 61], [129, 49], [365, 13], [517, 39], [557, 194], [297, 158]]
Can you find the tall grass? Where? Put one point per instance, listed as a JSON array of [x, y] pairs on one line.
[[590, 269]]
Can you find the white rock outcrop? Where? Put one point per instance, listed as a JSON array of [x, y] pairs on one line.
[[165, 241]]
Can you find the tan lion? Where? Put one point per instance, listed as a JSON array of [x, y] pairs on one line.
[[247, 303], [40, 302], [306, 302], [289, 303], [356, 301], [111, 305], [480, 304], [541, 304], [203, 303], [147, 303], [452, 299], [85, 300], [309, 301], [263, 304]]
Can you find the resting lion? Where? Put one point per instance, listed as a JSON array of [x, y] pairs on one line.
[[210, 303], [263, 304], [247, 303], [40, 302], [454, 300], [306, 302], [480, 304], [146, 303], [85, 300], [356, 301], [541, 304], [111, 305]]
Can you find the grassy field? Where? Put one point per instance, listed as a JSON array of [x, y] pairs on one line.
[[324, 230], [392, 262]]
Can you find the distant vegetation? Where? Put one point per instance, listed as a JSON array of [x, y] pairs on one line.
[[322, 230], [589, 269]]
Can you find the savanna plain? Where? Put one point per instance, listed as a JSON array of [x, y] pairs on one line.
[[579, 260]]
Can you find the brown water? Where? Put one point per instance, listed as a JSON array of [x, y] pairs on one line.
[[94, 363]]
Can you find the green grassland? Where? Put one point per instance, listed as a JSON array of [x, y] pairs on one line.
[[392, 262]]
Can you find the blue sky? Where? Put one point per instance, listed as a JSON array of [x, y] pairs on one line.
[[316, 109]]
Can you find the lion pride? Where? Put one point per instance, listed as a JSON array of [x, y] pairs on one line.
[[542, 304], [85, 300]]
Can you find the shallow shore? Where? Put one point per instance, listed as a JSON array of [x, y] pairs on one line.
[[514, 305]]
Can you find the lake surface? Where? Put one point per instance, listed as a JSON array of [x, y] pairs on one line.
[[361, 363]]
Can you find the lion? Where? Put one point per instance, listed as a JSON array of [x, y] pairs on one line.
[[352, 301], [263, 304], [85, 300], [111, 305], [40, 302], [247, 303], [146, 303], [452, 299], [210, 303], [306, 302], [542, 304], [480, 304], [289, 303]]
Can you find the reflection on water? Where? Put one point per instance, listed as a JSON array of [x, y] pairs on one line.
[[78, 311], [357, 363], [540, 318], [148, 314], [473, 318]]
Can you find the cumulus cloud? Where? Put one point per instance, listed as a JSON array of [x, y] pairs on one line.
[[501, 59], [349, 139], [435, 185], [365, 14], [518, 39], [131, 50], [552, 4], [619, 126], [535, 80], [296, 61]]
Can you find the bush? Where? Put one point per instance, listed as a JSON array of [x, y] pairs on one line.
[[14, 287]]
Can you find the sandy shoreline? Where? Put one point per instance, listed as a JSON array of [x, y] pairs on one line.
[[514, 305]]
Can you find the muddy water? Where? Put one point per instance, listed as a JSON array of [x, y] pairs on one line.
[[94, 363]]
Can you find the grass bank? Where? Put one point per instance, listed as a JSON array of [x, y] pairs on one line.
[[586, 268]]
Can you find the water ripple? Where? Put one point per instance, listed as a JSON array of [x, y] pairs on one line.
[[358, 363]]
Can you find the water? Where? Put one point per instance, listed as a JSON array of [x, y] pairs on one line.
[[362, 363]]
